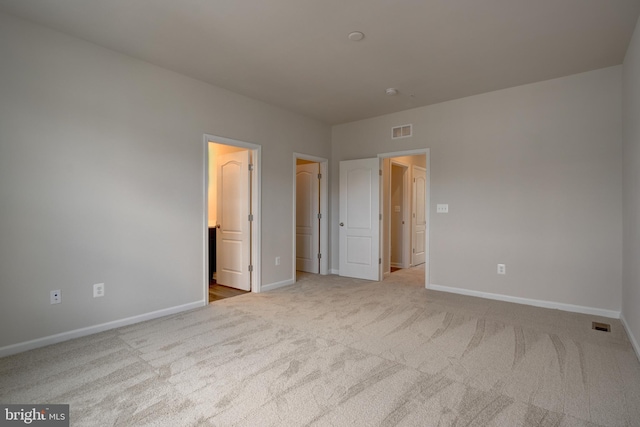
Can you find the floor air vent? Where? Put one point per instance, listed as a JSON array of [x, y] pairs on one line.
[[604, 327]]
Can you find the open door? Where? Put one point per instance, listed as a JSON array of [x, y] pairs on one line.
[[359, 231], [308, 217], [233, 237], [419, 216]]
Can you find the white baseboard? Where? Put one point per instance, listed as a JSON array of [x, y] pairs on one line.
[[334, 271], [634, 342], [77, 333], [272, 286], [527, 301]]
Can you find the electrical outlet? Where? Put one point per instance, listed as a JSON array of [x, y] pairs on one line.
[[277, 260], [56, 297], [98, 290], [502, 269]]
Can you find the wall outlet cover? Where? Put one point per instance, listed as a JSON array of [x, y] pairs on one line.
[[98, 290], [56, 297], [442, 208]]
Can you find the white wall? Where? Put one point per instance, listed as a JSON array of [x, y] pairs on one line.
[[532, 178], [631, 188], [102, 180]]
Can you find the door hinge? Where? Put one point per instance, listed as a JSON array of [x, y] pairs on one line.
[[379, 260], [250, 167], [380, 215], [319, 176], [250, 217], [380, 171], [250, 268], [319, 256], [319, 216]]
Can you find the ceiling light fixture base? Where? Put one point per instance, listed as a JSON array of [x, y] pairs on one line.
[[356, 36]]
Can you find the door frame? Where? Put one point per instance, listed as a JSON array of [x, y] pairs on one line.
[[406, 239], [427, 153], [413, 193], [256, 185], [324, 212]]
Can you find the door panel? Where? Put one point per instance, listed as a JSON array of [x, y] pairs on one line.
[[307, 221], [396, 221], [359, 229], [233, 238], [419, 215]]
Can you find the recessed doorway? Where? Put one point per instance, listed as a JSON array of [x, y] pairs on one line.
[[310, 230], [231, 217], [405, 211]]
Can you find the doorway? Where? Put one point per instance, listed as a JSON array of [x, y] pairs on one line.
[[364, 221], [399, 225], [232, 223], [405, 189], [310, 231]]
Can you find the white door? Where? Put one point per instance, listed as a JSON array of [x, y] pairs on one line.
[[359, 222], [419, 216], [233, 237], [307, 220]]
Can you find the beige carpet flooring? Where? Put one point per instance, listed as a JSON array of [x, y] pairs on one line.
[[330, 351]]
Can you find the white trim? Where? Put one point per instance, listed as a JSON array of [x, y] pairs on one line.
[[427, 247], [256, 200], [324, 212], [77, 333], [205, 219], [276, 285], [415, 152], [528, 301], [632, 338], [426, 200], [406, 210], [334, 271]]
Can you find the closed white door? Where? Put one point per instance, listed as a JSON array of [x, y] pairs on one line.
[[307, 217], [233, 237], [419, 216], [359, 223]]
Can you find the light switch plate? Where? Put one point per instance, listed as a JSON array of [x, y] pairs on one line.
[[442, 208]]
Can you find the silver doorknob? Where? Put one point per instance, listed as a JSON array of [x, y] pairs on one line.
[[342, 224]]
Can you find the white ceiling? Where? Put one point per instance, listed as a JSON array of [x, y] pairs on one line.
[[296, 54]]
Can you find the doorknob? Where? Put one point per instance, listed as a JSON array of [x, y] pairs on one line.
[[217, 225], [342, 224]]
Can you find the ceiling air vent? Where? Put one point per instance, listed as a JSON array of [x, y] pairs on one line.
[[404, 131]]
